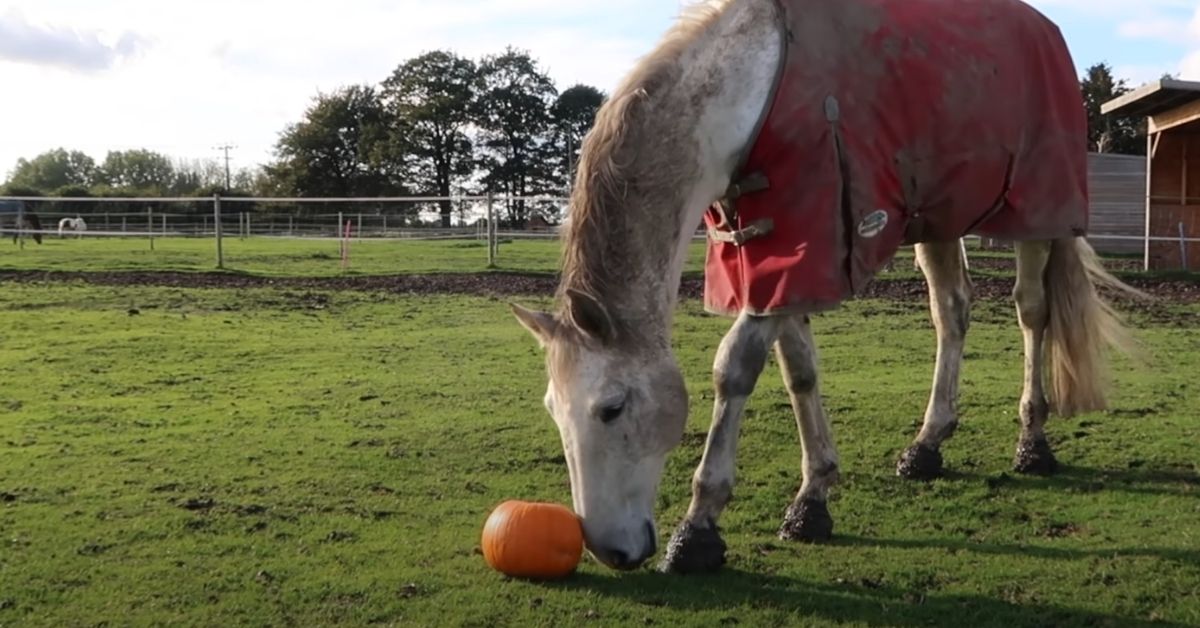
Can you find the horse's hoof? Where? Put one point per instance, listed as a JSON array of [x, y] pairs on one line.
[[694, 550], [807, 521], [919, 462], [1034, 457]]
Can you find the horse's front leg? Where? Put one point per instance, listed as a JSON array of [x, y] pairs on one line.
[[696, 545], [808, 517]]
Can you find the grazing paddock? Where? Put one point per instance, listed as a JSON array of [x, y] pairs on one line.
[[301, 457], [288, 256], [283, 257]]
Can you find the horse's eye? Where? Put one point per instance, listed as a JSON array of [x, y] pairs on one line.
[[610, 413]]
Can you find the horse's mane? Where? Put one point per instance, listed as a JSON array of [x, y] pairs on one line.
[[596, 218]]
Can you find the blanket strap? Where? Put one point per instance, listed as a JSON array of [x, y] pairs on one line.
[[726, 209], [755, 229]]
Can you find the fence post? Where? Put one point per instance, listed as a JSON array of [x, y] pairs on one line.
[[217, 229], [1183, 247], [21, 223], [358, 235], [248, 234], [491, 232], [290, 224], [164, 229], [150, 225], [385, 225]]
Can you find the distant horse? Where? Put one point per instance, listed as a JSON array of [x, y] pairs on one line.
[[77, 224], [18, 223], [829, 133]]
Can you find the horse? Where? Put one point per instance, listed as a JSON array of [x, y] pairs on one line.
[[77, 224], [872, 154], [18, 223]]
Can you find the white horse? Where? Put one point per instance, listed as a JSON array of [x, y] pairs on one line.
[[76, 224], [672, 139]]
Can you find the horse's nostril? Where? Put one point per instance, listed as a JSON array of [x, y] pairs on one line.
[[619, 559]]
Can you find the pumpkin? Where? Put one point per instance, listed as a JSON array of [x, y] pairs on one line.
[[532, 540]]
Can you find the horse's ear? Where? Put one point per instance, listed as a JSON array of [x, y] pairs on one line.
[[590, 316], [540, 324]]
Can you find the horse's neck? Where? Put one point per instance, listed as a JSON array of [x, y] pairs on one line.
[[726, 78]]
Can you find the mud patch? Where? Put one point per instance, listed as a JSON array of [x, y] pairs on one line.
[[198, 503], [1060, 530], [518, 284]]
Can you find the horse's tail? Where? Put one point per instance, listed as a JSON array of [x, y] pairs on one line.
[[1081, 327]]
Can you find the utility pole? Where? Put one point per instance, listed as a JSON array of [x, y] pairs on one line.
[[226, 148]]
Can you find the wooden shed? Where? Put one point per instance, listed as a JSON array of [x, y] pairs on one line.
[[1172, 232], [1117, 200]]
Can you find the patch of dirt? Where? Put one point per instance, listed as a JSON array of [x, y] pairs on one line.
[[524, 284], [340, 536], [1060, 530], [199, 503]]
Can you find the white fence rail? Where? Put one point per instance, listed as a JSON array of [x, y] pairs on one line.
[[357, 218]]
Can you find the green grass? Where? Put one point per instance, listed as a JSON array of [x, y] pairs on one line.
[[262, 457], [288, 257], [313, 258]]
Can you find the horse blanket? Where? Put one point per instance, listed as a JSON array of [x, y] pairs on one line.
[[894, 122]]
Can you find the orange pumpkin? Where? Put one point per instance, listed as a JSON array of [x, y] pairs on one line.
[[532, 540]]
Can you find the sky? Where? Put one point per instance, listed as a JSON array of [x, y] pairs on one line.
[[182, 77]]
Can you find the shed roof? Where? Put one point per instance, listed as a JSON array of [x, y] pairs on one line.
[[1154, 98]]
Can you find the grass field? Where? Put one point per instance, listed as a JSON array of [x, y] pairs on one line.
[[289, 256], [308, 258], [273, 457]]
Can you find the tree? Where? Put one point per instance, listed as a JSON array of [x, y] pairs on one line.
[[54, 169], [333, 150], [516, 128], [137, 171], [1109, 134], [16, 189], [573, 114], [192, 176], [429, 102]]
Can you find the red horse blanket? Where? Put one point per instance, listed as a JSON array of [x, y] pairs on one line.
[[895, 122]]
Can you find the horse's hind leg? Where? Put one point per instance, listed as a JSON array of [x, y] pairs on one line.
[[1033, 312], [808, 517], [696, 545], [944, 265]]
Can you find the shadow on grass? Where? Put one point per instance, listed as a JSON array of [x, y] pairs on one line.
[[1152, 481], [1182, 556], [868, 604]]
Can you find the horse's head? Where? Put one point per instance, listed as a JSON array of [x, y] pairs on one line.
[[620, 407]]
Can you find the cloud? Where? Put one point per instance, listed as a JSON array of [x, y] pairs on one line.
[[45, 45], [1171, 27], [1160, 28], [1115, 7], [1189, 68], [214, 78]]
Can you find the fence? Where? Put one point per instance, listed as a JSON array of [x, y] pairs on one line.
[[345, 232], [488, 219]]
